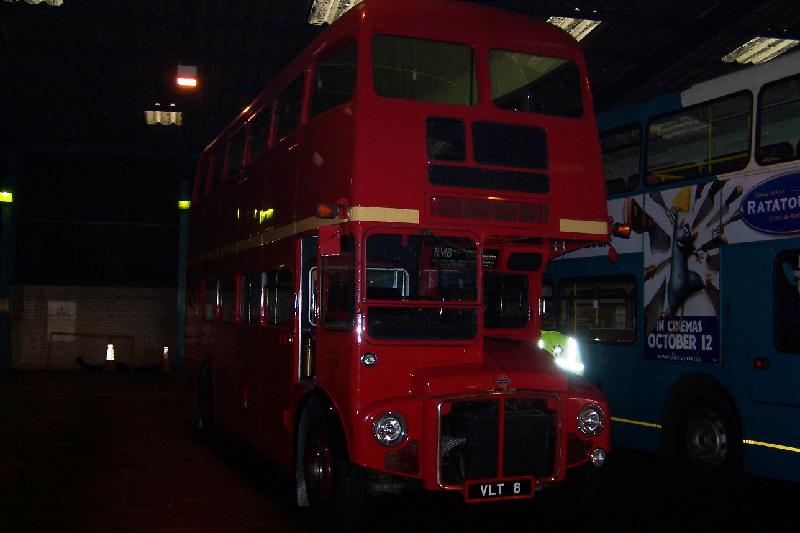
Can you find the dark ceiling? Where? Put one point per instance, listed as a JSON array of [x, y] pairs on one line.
[[83, 73]]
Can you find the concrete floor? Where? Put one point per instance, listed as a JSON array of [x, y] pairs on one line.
[[83, 452]]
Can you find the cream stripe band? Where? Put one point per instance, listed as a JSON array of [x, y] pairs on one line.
[[383, 214], [635, 422], [773, 446], [357, 214], [749, 442], [593, 227]]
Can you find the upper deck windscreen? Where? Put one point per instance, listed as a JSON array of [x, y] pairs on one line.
[[535, 84], [420, 69]]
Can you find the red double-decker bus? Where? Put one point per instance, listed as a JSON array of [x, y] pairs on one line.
[[366, 250]]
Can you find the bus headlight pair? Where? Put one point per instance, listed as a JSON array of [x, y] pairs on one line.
[[590, 420], [565, 350], [389, 429]]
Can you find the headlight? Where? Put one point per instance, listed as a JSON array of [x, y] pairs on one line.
[[389, 428], [591, 420], [570, 359]]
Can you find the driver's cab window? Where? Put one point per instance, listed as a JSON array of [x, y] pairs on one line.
[[387, 283]]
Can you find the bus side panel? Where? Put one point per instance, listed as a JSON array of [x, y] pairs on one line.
[[773, 389], [277, 364]]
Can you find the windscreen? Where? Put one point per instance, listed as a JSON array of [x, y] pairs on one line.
[[406, 273]]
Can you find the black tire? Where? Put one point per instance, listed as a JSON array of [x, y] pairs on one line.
[[709, 440], [205, 401], [335, 487]]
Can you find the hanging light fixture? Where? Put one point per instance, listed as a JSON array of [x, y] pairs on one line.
[[578, 28], [162, 117], [326, 11], [760, 50], [51, 3], [187, 76]]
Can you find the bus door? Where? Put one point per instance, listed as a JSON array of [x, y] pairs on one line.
[[309, 309], [761, 334], [336, 316]]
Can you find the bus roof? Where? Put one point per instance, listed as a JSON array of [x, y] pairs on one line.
[[439, 19]]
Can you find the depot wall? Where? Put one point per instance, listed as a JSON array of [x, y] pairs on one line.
[[51, 326]]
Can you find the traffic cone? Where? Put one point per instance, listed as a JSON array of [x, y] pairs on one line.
[[111, 366], [165, 363]]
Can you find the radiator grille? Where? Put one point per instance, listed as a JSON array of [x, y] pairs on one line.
[[470, 439]]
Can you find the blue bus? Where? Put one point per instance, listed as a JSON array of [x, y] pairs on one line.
[[693, 333]]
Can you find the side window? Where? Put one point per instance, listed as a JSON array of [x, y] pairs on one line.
[[599, 309], [211, 300], [227, 300], [787, 301], [621, 158], [252, 297], [289, 107], [339, 288], [201, 178], [334, 80], [506, 300], [707, 139], [779, 122], [235, 152], [284, 309], [279, 297], [259, 133], [217, 162]]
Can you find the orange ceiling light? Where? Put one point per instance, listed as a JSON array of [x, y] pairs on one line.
[[187, 76]]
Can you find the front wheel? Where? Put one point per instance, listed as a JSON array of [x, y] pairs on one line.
[[335, 487], [711, 440]]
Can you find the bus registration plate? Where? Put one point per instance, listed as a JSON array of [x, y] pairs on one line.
[[496, 489]]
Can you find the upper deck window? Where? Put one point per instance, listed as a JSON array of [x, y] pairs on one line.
[[259, 133], [334, 80], [236, 151], [779, 122], [535, 84], [703, 140], [289, 107], [419, 69], [621, 158]]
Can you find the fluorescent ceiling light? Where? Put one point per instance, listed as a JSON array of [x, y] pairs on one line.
[[157, 117], [760, 50], [326, 11], [53, 3], [187, 76], [578, 28]]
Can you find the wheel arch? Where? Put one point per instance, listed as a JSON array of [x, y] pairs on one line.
[[329, 410]]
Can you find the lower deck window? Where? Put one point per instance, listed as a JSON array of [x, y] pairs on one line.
[[599, 309]]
